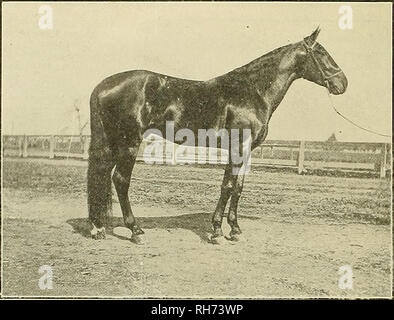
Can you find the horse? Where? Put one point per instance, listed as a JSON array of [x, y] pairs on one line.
[[125, 105]]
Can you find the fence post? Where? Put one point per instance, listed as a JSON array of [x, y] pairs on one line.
[[85, 148], [20, 147], [383, 161], [301, 157], [51, 147], [174, 147], [25, 144]]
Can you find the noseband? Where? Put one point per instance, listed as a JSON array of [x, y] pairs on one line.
[[309, 50]]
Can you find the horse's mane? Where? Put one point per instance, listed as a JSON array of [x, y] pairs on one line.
[[264, 63], [262, 69]]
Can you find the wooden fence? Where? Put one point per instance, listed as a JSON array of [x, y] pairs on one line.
[[301, 155]]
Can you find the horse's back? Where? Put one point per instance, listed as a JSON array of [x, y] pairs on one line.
[[118, 82]]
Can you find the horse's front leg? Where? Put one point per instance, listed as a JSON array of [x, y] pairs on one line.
[[217, 218], [235, 233]]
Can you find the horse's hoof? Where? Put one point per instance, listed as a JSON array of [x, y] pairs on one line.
[[98, 233], [238, 237], [138, 239], [217, 240]]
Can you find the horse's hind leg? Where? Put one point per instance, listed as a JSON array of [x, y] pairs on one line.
[[121, 178], [100, 165], [99, 189]]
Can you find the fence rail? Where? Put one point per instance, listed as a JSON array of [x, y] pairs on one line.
[[302, 155]]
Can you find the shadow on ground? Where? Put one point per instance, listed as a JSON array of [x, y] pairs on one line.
[[199, 223]]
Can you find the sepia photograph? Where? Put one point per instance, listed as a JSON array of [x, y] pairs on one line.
[[196, 150]]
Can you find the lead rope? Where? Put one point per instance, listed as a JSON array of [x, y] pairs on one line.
[[352, 122]]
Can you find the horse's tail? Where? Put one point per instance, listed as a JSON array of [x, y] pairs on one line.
[[100, 167]]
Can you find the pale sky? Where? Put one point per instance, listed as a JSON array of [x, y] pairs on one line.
[[45, 71]]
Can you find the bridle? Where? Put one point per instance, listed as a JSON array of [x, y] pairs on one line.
[[309, 50]]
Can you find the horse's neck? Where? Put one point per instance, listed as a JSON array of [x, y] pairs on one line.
[[274, 94], [271, 76]]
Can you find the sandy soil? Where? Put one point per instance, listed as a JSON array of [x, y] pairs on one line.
[[299, 231]]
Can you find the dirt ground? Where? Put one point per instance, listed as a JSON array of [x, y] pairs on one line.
[[299, 231]]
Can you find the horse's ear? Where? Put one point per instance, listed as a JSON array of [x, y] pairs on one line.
[[312, 38]]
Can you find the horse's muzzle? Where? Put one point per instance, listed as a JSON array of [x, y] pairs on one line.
[[337, 85]]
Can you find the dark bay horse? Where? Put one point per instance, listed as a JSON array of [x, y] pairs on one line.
[[125, 105]]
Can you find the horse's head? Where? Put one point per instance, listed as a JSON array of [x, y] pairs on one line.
[[319, 67]]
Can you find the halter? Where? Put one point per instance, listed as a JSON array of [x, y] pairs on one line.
[[309, 50]]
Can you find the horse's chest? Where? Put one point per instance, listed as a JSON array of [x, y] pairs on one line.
[[261, 135], [258, 128]]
